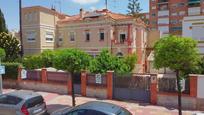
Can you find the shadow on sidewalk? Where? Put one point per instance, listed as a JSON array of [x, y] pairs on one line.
[[54, 107]]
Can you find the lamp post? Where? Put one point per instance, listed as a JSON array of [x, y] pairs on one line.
[[20, 24]]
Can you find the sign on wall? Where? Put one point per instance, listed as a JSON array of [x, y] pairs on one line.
[[183, 81], [2, 69], [98, 78], [23, 74]]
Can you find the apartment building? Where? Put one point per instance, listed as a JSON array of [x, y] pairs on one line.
[[91, 32], [167, 15], [193, 27], [38, 28]]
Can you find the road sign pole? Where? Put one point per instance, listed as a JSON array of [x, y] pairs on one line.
[[1, 84]]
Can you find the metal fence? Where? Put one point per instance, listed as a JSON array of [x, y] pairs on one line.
[[169, 85], [130, 81], [33, 75]]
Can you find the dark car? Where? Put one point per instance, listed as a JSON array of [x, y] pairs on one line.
[[93, 108], [22, 103]]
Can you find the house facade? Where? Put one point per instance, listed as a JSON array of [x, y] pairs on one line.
[[91, 32]]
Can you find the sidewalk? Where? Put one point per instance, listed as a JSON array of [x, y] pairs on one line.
[[55, 101]]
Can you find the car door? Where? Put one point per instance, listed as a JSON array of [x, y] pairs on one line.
[[8, 105], [7, 109]]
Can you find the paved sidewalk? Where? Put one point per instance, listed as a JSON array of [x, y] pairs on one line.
[[55, 101]]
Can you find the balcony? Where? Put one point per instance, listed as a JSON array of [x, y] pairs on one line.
[[164, 13], [194, 3], [194, 11]]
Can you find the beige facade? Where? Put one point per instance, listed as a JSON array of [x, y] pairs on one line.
[[89, 31], [39, 26]]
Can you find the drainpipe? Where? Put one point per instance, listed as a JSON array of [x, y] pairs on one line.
[[129, 40]]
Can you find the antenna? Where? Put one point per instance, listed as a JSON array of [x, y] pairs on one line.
[[106, 4]]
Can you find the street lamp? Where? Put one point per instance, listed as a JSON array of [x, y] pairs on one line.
[[20, 24]]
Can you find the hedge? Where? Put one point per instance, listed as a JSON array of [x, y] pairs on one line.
[[11, 70]]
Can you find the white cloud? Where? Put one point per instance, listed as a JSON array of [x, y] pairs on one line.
[[85, 1], [92, 8]]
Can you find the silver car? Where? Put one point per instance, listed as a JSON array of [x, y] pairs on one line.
[[22, 103], [93, 108]]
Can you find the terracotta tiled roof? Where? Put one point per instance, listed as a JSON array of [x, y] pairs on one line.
[[118, 16], [106, 13]]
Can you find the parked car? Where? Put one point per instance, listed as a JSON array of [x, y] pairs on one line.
[[93, 108], [22, 103]]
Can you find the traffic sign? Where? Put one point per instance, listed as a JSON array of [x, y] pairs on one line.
[[2, 69], [23, 74], [98, 79]]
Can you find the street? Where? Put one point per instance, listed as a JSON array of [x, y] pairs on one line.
[[56, 101]]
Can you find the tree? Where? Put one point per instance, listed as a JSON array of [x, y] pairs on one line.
[[106, 61], [177, 53], [71, 60], [131, 60], [3, 27], [47, 58], [2, 54], [134, 8], [32, 62], [11, 46]]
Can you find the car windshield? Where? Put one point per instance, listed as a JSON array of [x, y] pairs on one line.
[[7, 99], [34, 101]]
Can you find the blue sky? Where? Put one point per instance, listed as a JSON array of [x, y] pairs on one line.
[[70, 7]]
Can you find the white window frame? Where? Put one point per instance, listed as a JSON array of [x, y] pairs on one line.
[[49, 36], [120, 35], [31, 36], [70, 36]]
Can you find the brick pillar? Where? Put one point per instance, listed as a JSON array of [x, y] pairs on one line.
[[193, 85], [83, 83], [44, 75], [109, 84], [153, 90], [19, 74], [69, 85]]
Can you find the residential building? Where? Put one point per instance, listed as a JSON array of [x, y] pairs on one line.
[[193, 27], [38, 28], [88, 31], [167, 15]]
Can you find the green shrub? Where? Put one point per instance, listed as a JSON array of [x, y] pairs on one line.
[[32, 62], [11, 70]]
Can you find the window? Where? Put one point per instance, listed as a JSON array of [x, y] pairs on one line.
[[72, 36], [7, 99], [176, 28], [34, 101], [102, 35], [153, 14], [49, 36], [87, 36], [31, 36], [122, 38]]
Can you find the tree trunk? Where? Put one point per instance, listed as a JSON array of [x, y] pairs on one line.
[[73, 96], [179, 92]]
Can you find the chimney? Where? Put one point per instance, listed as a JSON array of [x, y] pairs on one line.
[[82, 13]]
